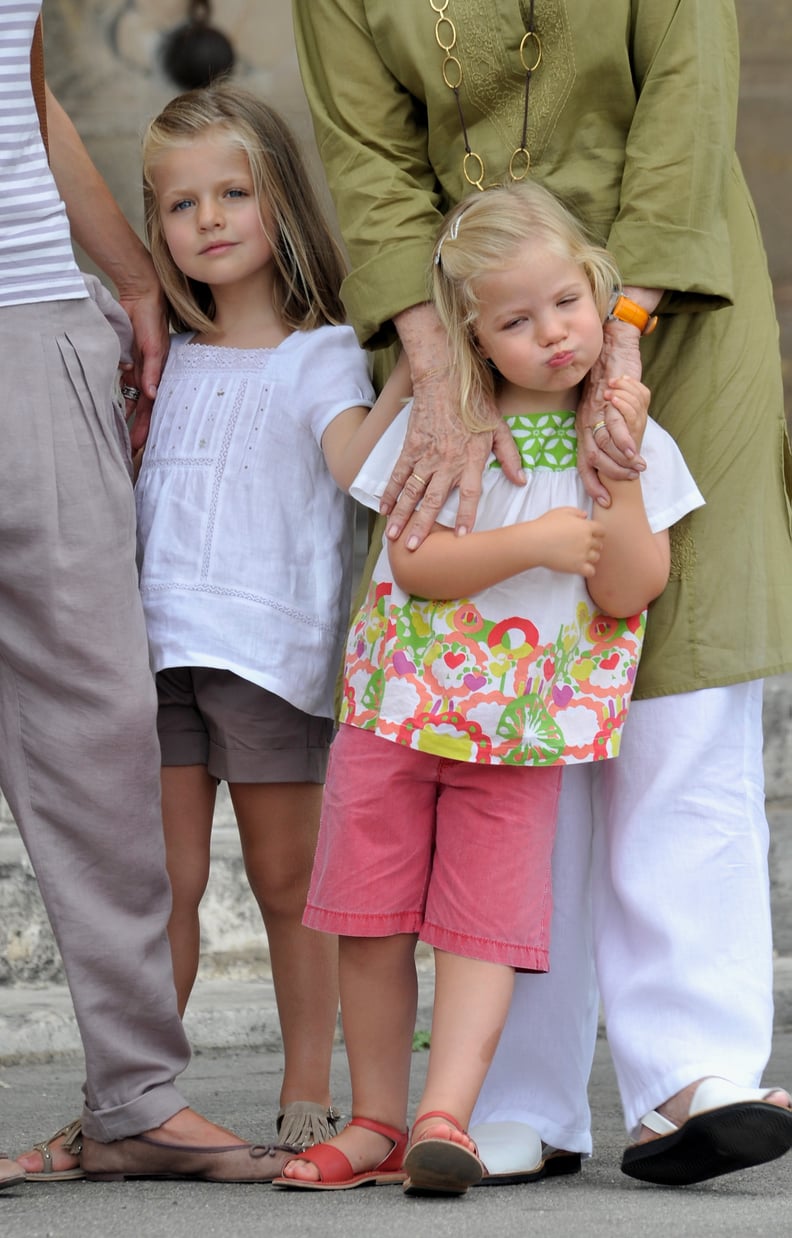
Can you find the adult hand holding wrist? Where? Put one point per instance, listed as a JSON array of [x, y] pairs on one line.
[[613, 453]]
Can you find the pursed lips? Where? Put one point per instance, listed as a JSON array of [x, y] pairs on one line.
[[560, 359]]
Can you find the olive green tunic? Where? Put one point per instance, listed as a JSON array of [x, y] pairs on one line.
[[632, 122]]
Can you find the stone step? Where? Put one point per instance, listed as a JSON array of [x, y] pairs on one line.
[[234, 945], [37, 1024], [233, 941]]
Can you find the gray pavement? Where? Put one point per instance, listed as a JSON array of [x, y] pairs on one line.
[[239, 1088]]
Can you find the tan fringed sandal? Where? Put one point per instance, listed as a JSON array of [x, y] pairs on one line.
[[302, 1123]]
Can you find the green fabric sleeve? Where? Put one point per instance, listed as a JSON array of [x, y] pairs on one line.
[[671, 229], [372, 140]]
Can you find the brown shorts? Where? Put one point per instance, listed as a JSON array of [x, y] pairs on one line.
[[239, 731]]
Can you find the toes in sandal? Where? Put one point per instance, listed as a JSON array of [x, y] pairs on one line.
[[336, 1172], [728, 1128], [302, 1123], [437, 1166], [71, 1135], [11, 1174]]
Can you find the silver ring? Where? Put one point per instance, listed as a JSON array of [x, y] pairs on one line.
[[418, 478], [599, 425], [130, 393]]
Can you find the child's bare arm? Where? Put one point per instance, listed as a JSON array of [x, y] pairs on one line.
[[448, 566], [350, 437], [634, 565], [635, 562]]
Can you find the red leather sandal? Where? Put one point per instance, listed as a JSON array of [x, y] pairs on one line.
[[437, 1166], [335, 1170]]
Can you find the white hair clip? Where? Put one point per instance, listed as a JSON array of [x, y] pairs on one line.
[[452, 234]]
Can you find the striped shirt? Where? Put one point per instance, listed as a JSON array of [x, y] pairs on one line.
[[36, 257]]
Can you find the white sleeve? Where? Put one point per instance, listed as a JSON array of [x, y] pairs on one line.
[[369, 485], [669, 491], [333, 376]]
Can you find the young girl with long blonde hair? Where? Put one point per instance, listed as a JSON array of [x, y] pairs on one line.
[[245, 539]]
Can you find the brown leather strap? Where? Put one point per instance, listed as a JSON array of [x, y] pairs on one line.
[[37, 79]]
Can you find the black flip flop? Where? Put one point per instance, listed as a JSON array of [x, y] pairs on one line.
[[718, 1141]]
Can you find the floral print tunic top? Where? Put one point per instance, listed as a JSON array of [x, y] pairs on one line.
[[529, 671]]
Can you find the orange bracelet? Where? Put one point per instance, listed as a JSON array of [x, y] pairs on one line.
[[625, 310]]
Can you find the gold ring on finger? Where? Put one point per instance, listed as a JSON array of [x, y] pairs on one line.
[[419, 479], [599, 425]]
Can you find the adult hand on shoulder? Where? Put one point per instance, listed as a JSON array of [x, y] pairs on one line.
[[439, 453]]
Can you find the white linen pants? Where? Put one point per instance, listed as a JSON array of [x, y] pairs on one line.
[[79, 756], [677, 918]]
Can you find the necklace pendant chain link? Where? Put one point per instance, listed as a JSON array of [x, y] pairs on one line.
[[473, 168], [531, 39]]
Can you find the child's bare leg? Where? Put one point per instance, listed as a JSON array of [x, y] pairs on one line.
[[470, 1007], [188, 801], [278, 825], [379, 993]]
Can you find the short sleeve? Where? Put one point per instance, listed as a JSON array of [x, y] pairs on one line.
[[331, 376]]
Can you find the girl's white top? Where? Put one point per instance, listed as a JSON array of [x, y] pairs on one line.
[[245, 541]]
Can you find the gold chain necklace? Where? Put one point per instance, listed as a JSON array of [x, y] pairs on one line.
[[446, 35]]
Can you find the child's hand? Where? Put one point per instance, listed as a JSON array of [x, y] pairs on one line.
[[568, 541], [630, 397]]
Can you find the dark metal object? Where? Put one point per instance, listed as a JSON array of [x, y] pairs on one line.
[[195, 53]]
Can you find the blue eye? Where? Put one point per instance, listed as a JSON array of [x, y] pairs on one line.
[[181, 206], [237, 193]]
